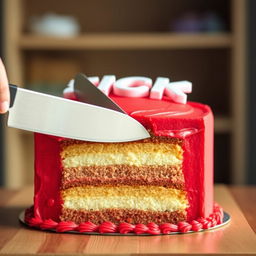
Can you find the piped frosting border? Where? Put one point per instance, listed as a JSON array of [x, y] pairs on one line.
[[199, 224]]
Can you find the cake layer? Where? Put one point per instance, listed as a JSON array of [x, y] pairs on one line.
[[153, 198], [168, 176], [130, 158], [133, 154], [148, 145], [122, 215]]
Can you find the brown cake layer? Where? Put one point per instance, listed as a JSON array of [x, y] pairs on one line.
[[154, 139], [122, 215], [168, 176]]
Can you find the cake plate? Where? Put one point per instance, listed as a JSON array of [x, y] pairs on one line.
[[226, 220]]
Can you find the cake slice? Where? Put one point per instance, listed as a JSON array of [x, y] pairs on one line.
[[134, 182]]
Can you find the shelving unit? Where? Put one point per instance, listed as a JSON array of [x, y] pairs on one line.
[[112, 41]]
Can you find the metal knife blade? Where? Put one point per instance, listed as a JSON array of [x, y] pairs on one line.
[[86, 92], [57, 116]]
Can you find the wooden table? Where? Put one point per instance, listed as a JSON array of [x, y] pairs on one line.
[[238, 237]]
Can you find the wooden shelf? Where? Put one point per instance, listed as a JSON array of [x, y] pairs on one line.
[[118, 41]]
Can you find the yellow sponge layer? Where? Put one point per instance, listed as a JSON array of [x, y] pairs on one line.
[[114, 148], [137, 154], [154, 198]]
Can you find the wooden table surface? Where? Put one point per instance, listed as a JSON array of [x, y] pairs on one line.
[[238, 237]]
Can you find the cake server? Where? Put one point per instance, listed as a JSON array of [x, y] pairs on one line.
[[43, 113]]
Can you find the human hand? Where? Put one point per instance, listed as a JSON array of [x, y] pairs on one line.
[[4, 90]]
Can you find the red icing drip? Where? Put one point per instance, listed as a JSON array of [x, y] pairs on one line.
[[124, 228], [183, 133]]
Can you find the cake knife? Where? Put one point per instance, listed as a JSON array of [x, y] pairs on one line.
[[87, 92], [43, 113]]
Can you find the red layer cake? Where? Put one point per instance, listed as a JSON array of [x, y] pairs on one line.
[[167, 178]]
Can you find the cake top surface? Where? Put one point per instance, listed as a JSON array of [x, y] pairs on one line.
[[161, 107], [139, 96], [164, 108]]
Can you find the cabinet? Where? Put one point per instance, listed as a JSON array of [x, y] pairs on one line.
[[134, 38]]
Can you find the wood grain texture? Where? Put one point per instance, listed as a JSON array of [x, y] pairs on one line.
[[235, 238], [245, 197]]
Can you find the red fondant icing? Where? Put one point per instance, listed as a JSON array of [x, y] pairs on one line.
[[192, 122], [47, 177], [51, 202]]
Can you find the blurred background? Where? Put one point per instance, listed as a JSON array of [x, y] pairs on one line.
[[209, 42]]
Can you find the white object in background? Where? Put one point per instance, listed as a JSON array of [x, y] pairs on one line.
[[55, 25]]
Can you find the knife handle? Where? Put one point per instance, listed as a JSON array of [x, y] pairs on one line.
[[13, 90]]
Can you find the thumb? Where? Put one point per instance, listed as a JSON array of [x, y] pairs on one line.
[[4, 90]]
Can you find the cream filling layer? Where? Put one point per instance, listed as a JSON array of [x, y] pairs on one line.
[[151, 198], [129, 158]]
